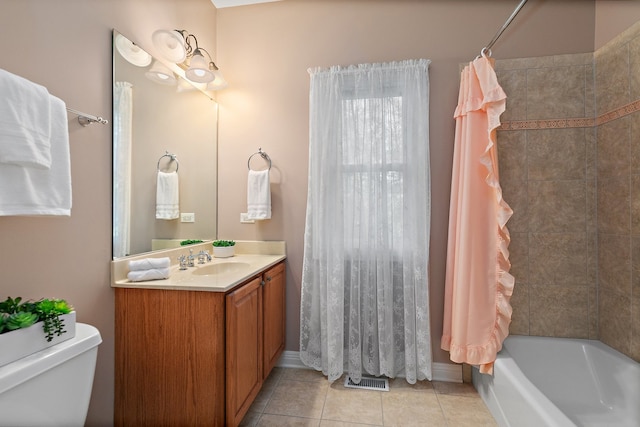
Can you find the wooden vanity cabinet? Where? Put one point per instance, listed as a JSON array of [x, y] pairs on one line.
[[196, 358], [244, 349], [273, 296]]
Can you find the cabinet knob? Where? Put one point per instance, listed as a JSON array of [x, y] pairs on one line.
[[269, 278], [262, 283]]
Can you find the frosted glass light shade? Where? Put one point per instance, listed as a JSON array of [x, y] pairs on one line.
[[170, 45], [160, 73], [198, 70], [132, 52], [218, 83]]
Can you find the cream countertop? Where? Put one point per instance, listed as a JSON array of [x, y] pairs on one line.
[[251, 258]]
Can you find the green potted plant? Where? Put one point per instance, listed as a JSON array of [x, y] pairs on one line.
[[223, 248], [27, 327]]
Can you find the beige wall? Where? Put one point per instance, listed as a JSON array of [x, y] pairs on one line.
[[612, 18], [266, 49], [66, 46]]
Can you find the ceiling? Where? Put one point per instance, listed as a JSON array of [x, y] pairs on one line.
[[219, 4]]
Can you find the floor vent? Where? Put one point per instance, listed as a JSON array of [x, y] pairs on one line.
[[366, 383]]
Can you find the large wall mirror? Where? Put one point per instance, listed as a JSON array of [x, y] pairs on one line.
[[153, 119]]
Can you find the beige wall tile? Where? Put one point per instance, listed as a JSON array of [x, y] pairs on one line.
[[634, 125], [614, 205], [634, 352], [557, 206], [591, 150], [559, 311], [514, 84], [614, 148], [614, 264], [555, 93], [591, 189], [635, 204], [524, 63], [635, 266], [593, 313], [556, 154], [634, 68], [573, 59], [558, 259], [589, 91], [612, 78], [519, 256], [520, 310], [615, 316], [512, 163]]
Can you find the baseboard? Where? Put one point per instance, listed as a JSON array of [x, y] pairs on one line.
[[448, 372]]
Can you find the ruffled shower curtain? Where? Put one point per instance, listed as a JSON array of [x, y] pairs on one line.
[[365, 295], [478, 285], [122, 128]]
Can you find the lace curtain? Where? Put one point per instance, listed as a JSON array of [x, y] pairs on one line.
[[365, 295], [122, 118]]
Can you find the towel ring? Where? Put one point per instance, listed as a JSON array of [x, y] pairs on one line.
[[172, 158], [263, 155]]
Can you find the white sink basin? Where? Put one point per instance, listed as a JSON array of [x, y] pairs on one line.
[[221, 268]]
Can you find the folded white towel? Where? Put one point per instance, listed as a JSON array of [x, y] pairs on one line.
[[144, 275], [31, 191], [149, 263], [258, 195], [25, 122], [167, 196]]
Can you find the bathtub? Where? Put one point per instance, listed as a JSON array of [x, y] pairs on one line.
[[540, 381]]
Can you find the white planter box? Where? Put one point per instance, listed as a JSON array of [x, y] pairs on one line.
[[223, 251], [17, 344]]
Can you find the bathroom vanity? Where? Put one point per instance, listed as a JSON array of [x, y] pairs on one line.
[[195, 349]]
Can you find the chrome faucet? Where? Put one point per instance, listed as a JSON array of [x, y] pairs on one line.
[[191, 258], [202, 255], [183, 262]]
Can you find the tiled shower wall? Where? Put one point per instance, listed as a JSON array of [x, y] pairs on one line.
[[569, 153]]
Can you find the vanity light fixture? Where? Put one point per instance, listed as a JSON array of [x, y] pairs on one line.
[[160, 73], [181, 48]]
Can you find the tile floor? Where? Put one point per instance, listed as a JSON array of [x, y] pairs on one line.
[[301, 397]]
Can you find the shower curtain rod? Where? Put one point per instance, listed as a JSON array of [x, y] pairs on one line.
[[487, 48]]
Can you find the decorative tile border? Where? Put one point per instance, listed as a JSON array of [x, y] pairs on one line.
[[547, 124], [623, 111]]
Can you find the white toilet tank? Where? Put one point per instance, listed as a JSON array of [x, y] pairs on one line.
[[51, 387]]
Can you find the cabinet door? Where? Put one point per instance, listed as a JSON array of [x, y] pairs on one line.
[[273, 294], [169, 358], [244, 349]]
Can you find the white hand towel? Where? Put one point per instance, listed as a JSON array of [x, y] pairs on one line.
[[31, 191], [25, 122], [149, 264], [258, 195], [167, 196], [144, 275]]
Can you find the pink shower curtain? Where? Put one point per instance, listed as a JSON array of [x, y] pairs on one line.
[[477, 312]]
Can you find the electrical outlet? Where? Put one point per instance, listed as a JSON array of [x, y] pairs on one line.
[[187, 217], [244, 219]]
